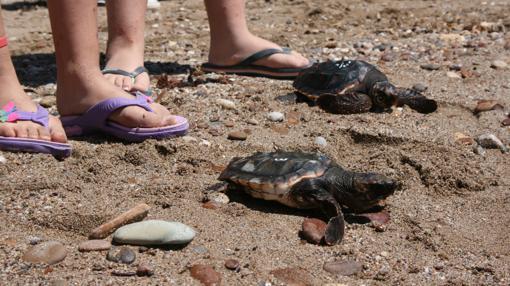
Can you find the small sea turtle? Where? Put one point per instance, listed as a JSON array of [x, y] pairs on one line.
[[303, 180], [346, 87]]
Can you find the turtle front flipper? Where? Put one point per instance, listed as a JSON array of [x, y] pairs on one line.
[[348, 103], [415, 100], [310, 193]]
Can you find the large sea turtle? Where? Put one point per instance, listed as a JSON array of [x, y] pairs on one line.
[[352, 86], [308, 180]]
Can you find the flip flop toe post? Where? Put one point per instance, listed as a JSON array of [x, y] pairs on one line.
[[9, 113]]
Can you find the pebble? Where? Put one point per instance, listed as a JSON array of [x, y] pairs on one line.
[[3, 160], [225, 103], [430, 67], [49, 252], [218, 197], [237, 135], [477, 149], [275, 116], [420, 87], [123, 273], [229, 123], [487, 105], [48, 101], [144, 269], [499, 64], [154, 232], [205, 274], [506, 122], [293, 118], [490, 141], [463, 139], [121, 255], [33, 240], [378, 218], [321, 141], [252, 121], [211, 205], [293, 276], [343, 267], [456, 67], [232, 264], [94, 245], [451, 74], [313, 230]]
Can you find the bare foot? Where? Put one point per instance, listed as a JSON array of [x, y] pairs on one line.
[[233, 53], [127, 58], [77, 93], [12, 91]]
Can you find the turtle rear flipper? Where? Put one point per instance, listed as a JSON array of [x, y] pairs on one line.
[[345, 103], [415, 100]]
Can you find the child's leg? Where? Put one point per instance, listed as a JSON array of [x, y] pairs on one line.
[[11, 91], [126, 23], [231, 41], [80, 84]]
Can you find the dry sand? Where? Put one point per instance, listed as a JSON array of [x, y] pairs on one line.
[[449, 223]]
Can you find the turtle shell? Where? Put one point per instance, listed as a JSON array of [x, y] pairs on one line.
[[271, 176], [337, 77]]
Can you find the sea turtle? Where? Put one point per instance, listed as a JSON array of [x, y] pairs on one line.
[[353, 86], [308, 180]]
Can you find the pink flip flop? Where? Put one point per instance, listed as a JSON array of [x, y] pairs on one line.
[[9, 114], [95, 120]]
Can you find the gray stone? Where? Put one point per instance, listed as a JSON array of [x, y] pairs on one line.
[[490, 141], [499, 64], [121, 255], [420, 87], [321, 141], [275, 116], [345, 268], [154, 232], [49, 252]]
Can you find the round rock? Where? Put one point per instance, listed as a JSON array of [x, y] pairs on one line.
[[205, 274], [237, 135], [275, 116], [121, 255], [154, 232], [321, 141], [232, 264], [94, 245], [49, 252], [225, 103], [313, 230], [499, 64], [420, 87], [144, 269]]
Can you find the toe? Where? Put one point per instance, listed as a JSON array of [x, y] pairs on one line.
[[32, 132], [132, 116], [7, 131], [21, 131], [44, 133], [119, 81], [127, 83], [56, 131]]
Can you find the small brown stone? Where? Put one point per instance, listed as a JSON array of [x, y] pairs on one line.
[[202, 125], [94, 245], [232, 264], [229, 123], [144, 269], [205, 274], [237, 135], [49, 252], [430, 67], [487, 105], [463, 139], [313, 230], [215, 131], [212, 205], [344, 267], [466, 73], [506, 122], [293, 276]]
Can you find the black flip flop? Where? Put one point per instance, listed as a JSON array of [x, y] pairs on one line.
[[136, 72], [247, 68]]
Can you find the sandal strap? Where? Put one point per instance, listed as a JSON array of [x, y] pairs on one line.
[[136, 72], [3, 42], [263, 54], [9, 113]]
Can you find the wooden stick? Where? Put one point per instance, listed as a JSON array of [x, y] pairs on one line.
[[137, 213]]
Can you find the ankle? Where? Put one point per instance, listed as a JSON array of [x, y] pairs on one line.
[[122, 48]]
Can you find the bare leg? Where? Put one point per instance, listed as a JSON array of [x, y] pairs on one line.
[[12, 91], [125, 49], [80, 83], [231, 41]]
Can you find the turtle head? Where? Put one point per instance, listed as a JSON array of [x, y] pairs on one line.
[[384, 95], [367, 190]]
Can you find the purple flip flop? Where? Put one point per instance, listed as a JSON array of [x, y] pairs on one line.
[[10, 114], [96, 120]]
